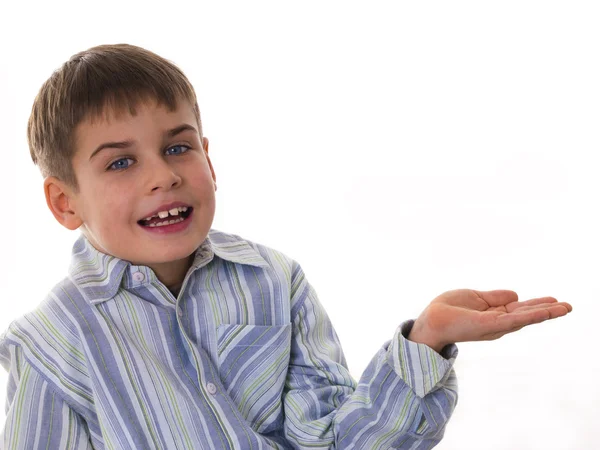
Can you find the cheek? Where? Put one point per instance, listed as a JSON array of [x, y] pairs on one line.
[[201, 178], [111, 209]]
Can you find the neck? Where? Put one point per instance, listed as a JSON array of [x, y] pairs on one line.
[[173, 273]]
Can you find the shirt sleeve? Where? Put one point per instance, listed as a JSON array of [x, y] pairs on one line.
[[403, 400], [36, 416]]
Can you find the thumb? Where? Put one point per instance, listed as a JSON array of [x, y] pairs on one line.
[[499, 297]]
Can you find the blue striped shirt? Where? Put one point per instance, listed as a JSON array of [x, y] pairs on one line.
[[244, 357]]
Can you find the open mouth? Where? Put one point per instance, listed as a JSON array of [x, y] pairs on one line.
[[174, 216]]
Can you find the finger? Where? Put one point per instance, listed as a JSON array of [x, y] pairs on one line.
[[523, 308], [558, 310], [534, 301], [498, 297], [510, 322]]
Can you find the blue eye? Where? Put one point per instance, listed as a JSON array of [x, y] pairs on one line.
[[181, 149], [120, 164]]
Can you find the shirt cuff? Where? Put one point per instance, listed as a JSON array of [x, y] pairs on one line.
[[421, 367]]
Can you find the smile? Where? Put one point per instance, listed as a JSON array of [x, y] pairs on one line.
[[164, 218]]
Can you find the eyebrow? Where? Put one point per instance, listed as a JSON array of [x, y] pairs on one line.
[[125, 144]]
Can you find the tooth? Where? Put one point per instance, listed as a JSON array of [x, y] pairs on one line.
[[148, 218], [182, 208], [166, 222], [174, 211], [163, 214]]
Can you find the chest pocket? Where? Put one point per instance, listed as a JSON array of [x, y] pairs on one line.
[[253, 363]]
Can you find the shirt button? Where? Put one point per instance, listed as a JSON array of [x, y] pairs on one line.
[[179, 312], [138, 276], [211, 388]]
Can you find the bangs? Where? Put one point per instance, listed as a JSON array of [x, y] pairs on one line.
[[115, 104], [102, 90]]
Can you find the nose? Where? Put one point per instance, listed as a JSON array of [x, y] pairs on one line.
[[163, 176]]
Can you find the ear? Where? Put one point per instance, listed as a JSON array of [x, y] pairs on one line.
[[60, 200], [212, 170]]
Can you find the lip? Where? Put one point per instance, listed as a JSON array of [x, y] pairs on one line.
[[165, 207], [166, 230]]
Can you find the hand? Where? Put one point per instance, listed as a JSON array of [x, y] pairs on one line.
[[467, 315]]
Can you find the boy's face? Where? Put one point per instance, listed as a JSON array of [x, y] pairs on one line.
[[131, 167]]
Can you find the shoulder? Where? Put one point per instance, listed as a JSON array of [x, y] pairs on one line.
[[262, 267], [51, 332], [50, 340], [47, 344], [276, 266], [273, 258]]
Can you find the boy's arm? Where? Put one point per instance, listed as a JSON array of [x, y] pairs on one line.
[[36, 417], [407, 394], [403, 399]]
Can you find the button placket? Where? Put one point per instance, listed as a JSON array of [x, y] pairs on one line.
[[211, 388], [138, 277], [204, 370], [202, 362]]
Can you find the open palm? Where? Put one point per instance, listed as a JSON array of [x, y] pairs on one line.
[[469, 315]]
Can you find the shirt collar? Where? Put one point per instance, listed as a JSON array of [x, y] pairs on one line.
[[100, 275]]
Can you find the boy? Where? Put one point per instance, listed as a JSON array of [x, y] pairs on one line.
[[169, 335]]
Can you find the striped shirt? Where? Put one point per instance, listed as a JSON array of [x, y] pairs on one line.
[[244, 358]]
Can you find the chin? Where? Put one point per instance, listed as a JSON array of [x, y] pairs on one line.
[[172, 254]]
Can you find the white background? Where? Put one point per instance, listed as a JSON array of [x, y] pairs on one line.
[[395, 150]]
